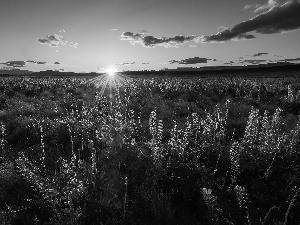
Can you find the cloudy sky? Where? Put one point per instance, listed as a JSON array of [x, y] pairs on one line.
[[91, 35]]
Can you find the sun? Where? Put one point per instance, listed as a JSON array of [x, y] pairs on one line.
[[110, 81], [111, 71]]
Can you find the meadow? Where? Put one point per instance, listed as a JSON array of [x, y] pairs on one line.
[[209, 150]]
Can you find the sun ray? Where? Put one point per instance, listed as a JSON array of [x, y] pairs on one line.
[[109, 82], [111, 71]]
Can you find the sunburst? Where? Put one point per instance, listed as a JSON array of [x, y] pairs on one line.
[[111, 71], [110, 81]]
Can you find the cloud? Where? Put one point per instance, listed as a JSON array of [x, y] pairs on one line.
[[74, 44], [193, 46], [125, 64], [15, 63], [261, 8], [228, 63], [259, 54], [36, 62], [150, 41], [194, 60], [144, 32], [291, 60], [145, 63], [222, 28], [41, 63], [253, 61], [31, 61], [248, 7], [224, 36], [53, 40], [113, 29], [278, 19], [56, 40]]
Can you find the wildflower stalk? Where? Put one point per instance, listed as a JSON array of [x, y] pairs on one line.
[[71, 138], [290, 206], [156, 129], [42, 144], [279, 142], [2, 142], [125, 197], [235, 152], [243, 200], [267, 215], [290, 97]]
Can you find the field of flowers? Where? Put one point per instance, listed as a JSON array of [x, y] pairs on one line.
[[150, 151]]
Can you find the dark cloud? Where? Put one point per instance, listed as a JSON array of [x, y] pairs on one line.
[[56, 40], [278, 19], [15, 63], [253, 61], [151, 41], [53, 40], [226, 35], [194, 60], [145, 63], [129, 36], [259, 54], [290, 60], [31, 61], [41, 62]]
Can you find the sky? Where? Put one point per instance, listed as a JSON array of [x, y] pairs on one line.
[[93, 35]]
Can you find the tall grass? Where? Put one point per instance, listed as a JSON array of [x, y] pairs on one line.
[[93, 159]]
